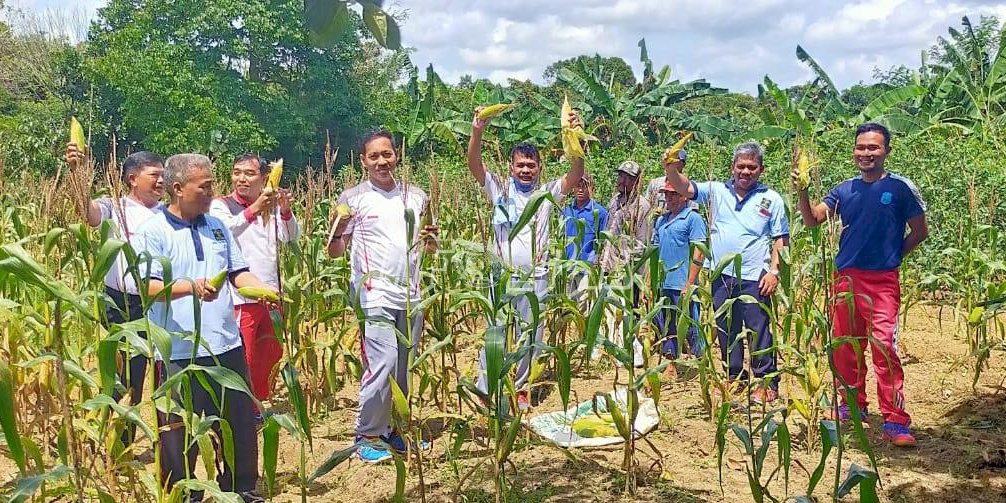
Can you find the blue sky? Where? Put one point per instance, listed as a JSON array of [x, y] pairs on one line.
[[730, 43]]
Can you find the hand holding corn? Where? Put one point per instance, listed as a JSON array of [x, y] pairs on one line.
[[801, 173], [73, 155]]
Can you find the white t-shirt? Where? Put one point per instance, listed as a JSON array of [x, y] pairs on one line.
[[379, 249], [530, 247], [135, 215], [255, 237]]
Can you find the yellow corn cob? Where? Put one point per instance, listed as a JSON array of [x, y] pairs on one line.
[[493, 110], [255, 293], [595, 426], [800, 407], [342, 212], [217, 281], [671, 154], [77, 135], [572, 137], [813, 376], [275, 173], [803, 170]]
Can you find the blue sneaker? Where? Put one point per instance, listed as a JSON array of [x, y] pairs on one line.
[[372, 453], [397, 443], [844, 414], [899, 435]]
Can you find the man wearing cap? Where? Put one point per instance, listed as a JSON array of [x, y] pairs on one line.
[[583, 211], [629, 226], [674, 233], [748, 219]]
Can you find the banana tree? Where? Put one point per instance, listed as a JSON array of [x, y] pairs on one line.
[[327, 20]]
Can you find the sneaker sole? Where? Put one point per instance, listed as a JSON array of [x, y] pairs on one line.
[[373, 461]]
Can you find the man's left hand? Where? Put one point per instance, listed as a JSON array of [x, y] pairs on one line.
[[768, 284]]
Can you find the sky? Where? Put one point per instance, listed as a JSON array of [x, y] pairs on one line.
[[729, 43]]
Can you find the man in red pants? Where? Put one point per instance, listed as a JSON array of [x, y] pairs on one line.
[[875, 208], [258, 219]]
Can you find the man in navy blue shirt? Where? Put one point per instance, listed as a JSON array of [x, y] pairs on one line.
[[594, 216], [749, 220], [875, 208]]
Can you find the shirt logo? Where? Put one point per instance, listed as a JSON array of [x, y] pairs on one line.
[[886, 198], [218, 234], [763, 207]]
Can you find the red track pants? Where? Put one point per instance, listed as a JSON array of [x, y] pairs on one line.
[[870, 316], [262, 349]]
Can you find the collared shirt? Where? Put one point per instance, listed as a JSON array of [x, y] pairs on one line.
[[673, 235], [256, 238], [529, 249], [135, 214], [591, 227], [381, 253], [629, 226], [746, 226], [197, 249], [874, 218]]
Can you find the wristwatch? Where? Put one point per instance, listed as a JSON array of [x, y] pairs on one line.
[[774, 272]]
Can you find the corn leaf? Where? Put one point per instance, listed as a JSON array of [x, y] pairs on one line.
[[292, 382], [8, 417]]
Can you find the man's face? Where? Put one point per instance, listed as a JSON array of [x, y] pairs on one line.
[[746, 170], [380, 160], [196, 194], [626, 182], [247, 179], [525, 169], [869, 152], [147, 184], [673, 201], [582, 192]]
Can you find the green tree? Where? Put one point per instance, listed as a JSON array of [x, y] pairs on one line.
[[614, 67]]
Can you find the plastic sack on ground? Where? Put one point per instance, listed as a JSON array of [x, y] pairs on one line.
[[581, 427]]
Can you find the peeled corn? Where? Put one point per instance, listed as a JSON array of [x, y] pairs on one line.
[[275, 173], [77, 135], [671, 154], [803, 170], [595, 426], [255, 293], [217, 281], [572, 137], [493, 110]]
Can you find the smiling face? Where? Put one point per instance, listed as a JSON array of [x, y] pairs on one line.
[[870, 151], [147, 184], [524, 168], [380, 160], [746, 170], [674, 202], [247, 179]]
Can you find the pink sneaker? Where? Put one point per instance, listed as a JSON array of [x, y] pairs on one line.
[[523, 403], [899, 435]]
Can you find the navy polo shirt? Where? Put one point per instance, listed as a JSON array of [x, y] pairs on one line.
[[197, 249], [673, 235], [588, 249], [874, 219], [746, 226]]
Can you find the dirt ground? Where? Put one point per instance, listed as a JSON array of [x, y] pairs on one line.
[[961, 455]]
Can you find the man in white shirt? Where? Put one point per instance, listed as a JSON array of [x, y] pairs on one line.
[[143, 176], [384, 264], [198, 246], [244, 211], [527, 255]]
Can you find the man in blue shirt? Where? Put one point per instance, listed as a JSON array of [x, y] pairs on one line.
[[594, 216], [674, 233], [200, 319], [749, 220], [875, 208]]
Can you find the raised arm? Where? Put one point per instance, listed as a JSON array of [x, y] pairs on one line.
[[682, 185], [76, 158], [812, 215], [475, 165]]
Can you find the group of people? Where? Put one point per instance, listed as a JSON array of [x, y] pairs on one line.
[[199, 235]]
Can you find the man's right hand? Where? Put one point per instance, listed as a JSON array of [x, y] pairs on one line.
[[265, 203], [73, 155], [675, 163], [204, 290], [479, 124], [795, 178]]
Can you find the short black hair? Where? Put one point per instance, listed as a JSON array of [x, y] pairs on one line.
[[263, 168], [526, 149], [137, 161], [873, 127], [373, 135]]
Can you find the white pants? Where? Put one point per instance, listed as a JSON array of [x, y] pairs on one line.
[[383, 354]]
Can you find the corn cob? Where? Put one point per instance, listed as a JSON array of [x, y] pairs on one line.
[[595, 426], [572, 137], [803, 170], [671, 154], [493, 110], [256, 293], [275, 173], [77, 135], [217, 281], [342, 212]]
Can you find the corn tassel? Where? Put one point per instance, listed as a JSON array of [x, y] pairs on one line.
[[493, 110], [572, 137]]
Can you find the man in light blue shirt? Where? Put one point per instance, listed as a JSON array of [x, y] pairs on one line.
[[198, 246], [748, 219]]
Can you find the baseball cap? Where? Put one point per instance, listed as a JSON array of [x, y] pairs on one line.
[[667, 187], [630, 168]]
